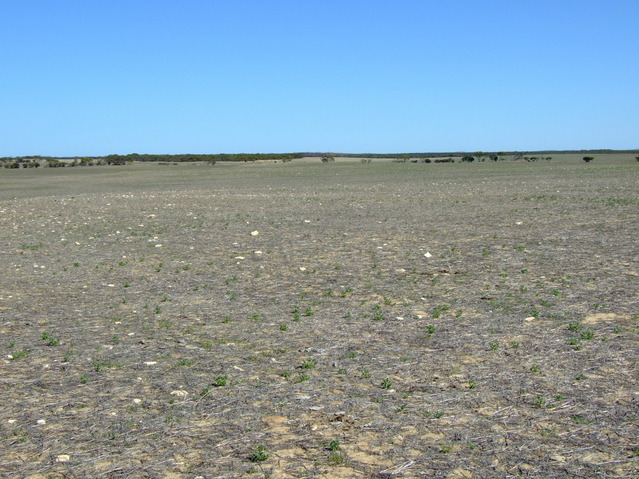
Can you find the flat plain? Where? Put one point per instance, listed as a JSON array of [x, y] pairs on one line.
[[339, 320]]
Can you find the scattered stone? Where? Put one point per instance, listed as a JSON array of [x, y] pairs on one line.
[[181, 393], [63, 458], [255, 233], [427, 254]]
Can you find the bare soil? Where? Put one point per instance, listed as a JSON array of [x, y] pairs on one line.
[[322, 321]]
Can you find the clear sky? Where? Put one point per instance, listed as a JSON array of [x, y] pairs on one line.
[[94, 77]]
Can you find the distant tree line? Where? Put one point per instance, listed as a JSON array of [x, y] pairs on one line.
[[36, 161], [245, 157]]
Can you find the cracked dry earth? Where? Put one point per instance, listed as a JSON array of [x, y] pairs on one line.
[[321, 321]]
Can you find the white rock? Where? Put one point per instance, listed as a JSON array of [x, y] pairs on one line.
[[427, 254], [255, 233], [63, 458], [181, 393], [41, 422], [151, 363]]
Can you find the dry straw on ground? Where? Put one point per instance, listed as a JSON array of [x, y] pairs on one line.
[[389, 320]]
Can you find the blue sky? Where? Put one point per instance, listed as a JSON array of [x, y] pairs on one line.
[[94, 77]]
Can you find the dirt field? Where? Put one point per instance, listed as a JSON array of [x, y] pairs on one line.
[[321, 320]]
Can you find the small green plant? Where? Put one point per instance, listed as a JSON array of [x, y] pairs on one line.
[[574, 342], [494, 346], [309, 363], [574, 326], [472, 384], [429, 414], [185, 362], [220, 381], [580, 419], [51, 341], [301, 378], [535, 368], [351, 354], [309, 312], [386, 384], [336, 458], [445, 448], [260, 454], [84, 379], [366, 374], [587, 334], [514, 344], [333, 445], [430, 329], [283, 327]]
